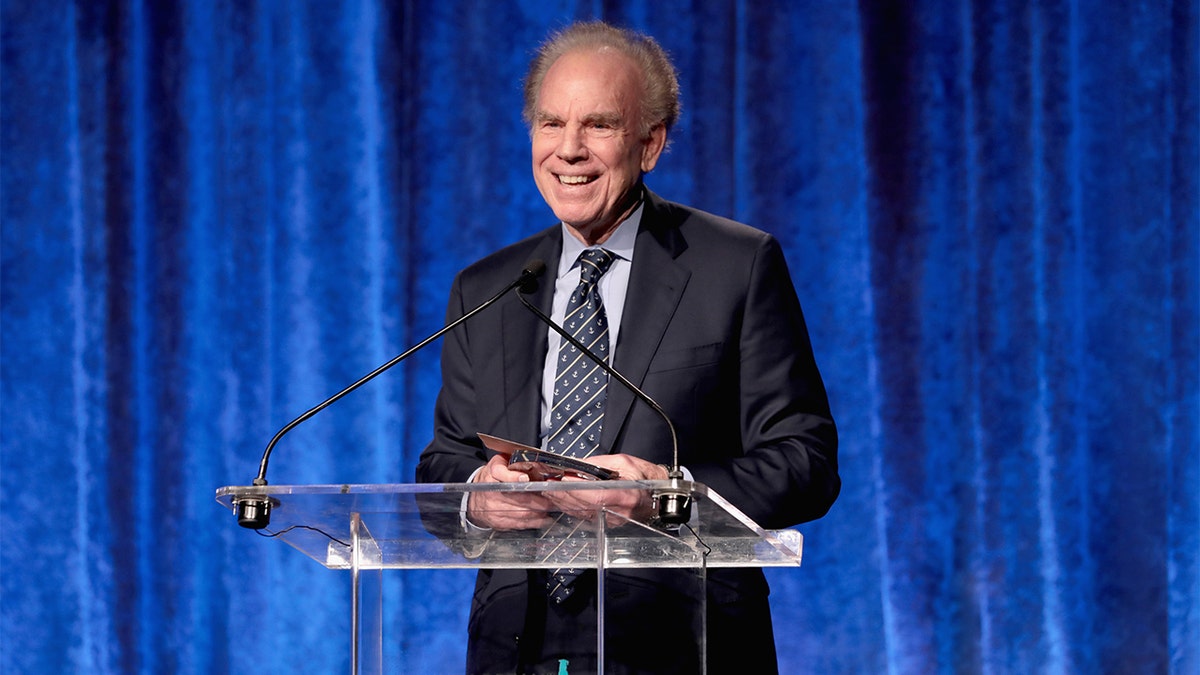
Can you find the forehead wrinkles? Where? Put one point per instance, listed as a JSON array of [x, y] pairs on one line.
[[591, 84]]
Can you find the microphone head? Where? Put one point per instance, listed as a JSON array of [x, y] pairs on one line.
[[674, 503], [674, 508], [530, 275], [253, 511]]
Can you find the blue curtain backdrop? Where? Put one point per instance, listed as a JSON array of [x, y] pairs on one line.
[[215, 214]]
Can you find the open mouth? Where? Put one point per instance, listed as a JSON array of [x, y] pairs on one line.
[[575, 180]]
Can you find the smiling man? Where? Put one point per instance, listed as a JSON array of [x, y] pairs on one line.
[[589, 152], [697, 310]]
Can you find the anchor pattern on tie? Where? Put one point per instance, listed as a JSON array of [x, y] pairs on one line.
[[580, 386], [580, 391]]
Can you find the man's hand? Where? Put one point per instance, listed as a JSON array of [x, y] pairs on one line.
[[630, 504], [630, 467], [506, 510]]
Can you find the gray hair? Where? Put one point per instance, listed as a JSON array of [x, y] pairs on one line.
[[660, 86]]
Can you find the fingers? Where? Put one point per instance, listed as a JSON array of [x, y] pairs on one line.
[[630, 467], [502, 511], [497, 471], [632, 504]]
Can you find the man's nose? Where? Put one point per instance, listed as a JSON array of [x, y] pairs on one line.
[[572, 147]]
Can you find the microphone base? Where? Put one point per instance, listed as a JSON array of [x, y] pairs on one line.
[[674, 504], [253, 511]]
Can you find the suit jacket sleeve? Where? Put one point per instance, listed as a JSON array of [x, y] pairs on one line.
[[786, 471]]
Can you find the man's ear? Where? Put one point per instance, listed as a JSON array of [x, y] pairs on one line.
[[652, 147]]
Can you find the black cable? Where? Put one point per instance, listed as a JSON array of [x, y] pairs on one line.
[[707, 548], [272, 535]]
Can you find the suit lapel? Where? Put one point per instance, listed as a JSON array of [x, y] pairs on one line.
[[524, 344], [656, 283]]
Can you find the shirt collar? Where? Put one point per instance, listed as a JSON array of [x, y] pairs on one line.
[[620, 243]]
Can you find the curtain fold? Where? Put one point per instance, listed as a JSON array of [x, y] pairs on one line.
[[217, 214]]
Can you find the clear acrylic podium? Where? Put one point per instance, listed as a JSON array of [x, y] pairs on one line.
[[367, 529]]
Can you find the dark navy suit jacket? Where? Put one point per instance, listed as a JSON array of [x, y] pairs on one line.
[[713, 331]]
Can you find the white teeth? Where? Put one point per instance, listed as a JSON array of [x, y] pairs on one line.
[[573, 180]]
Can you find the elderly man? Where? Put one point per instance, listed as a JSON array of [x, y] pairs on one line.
[[697, 310]]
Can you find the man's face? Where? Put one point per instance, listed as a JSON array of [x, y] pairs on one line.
[[588, 155]]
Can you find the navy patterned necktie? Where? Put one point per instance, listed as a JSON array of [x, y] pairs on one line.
[[580, 390], [580, 386]]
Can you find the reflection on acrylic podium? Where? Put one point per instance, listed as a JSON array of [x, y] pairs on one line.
[[367, 529]]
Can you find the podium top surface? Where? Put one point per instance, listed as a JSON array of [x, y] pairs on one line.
[[423, 525]]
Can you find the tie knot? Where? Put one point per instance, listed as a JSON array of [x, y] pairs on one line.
[[593, 263]]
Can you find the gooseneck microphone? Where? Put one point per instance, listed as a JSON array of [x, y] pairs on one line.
[[254, 511], [674, 502]]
